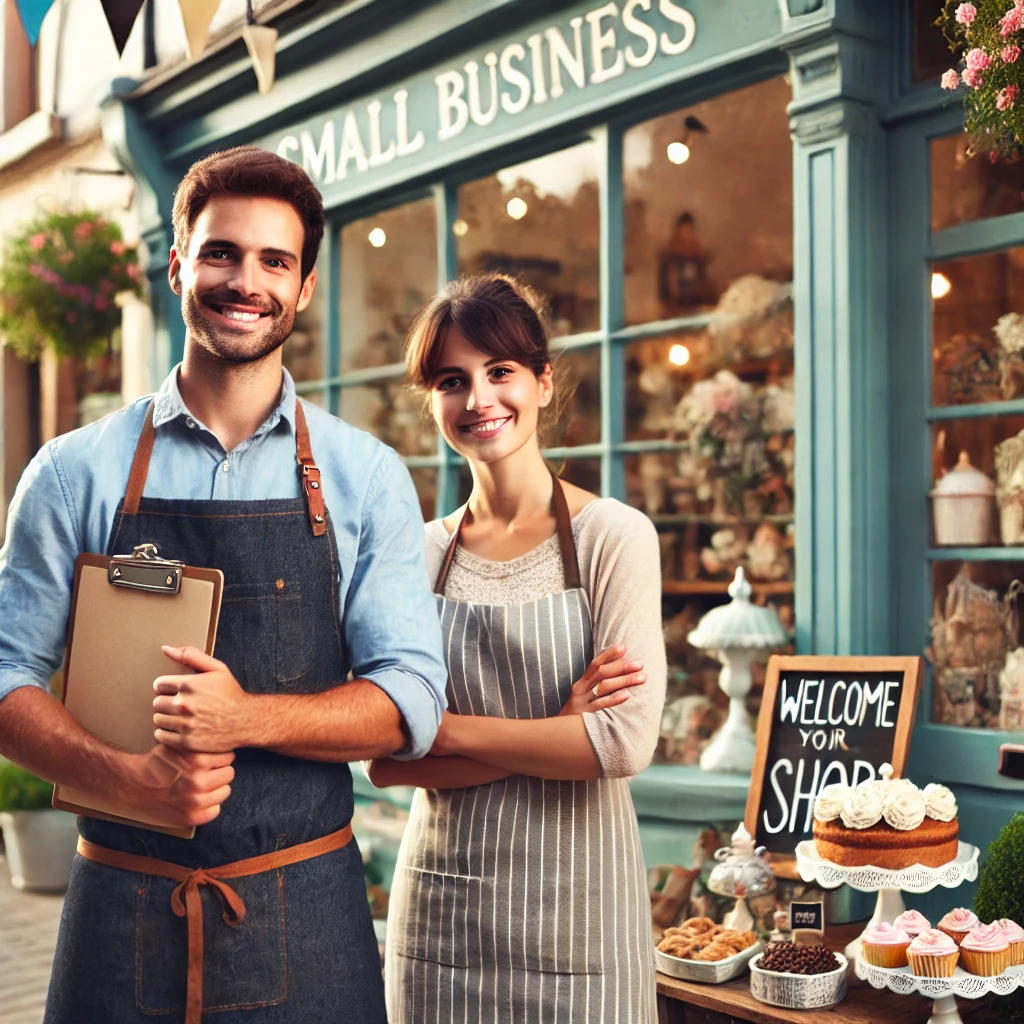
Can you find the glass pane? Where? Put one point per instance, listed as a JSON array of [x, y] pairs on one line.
[[585, 473], [426, 487], [708, 199], [392, 412], [578, 380], [388, 272], [977, 676], [303, 352], [932, 54], [539, 221], [96, 383], [966, 189], [977, 332]]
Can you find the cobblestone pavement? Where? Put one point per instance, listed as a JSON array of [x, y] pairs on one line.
[[28, 934]]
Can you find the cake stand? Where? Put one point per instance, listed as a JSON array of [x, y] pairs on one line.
[[941, 990], [889, 884]]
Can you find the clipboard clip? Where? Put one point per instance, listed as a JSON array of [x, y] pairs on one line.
[[144, 569]]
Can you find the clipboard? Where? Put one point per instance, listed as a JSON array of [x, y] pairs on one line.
[[123, 609]]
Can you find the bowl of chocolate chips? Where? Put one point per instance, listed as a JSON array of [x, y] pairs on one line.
[[798, 976]]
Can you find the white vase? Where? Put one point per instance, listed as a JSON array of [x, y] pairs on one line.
[[732, 747], [40, 847]]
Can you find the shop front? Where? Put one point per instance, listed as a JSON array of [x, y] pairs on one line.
[[773, 277]]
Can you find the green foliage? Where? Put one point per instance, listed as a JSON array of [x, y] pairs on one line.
[[992, 80], [58, 281], [21, 790]]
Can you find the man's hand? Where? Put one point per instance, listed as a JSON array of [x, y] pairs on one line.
[[206, 712], [186, 787]]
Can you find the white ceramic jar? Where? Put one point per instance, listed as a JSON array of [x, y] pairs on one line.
[[963, 505]]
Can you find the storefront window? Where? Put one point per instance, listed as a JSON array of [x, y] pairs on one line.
[[578, 377], [708, 201], [966, 189], [425, 481], [539, 222], [303, 352], [931, 53], [394, 413]]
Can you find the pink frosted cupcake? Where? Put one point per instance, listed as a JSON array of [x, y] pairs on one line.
[[957, 923], [885, 945], [1015, 936], [912, 922], [985, 950], [933, 954]]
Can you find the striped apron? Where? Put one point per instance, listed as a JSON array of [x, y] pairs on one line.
[[525, 899]]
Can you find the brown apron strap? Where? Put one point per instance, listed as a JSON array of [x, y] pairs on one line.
[[563, 529], [185, 899], [140, 465], [310, 474]]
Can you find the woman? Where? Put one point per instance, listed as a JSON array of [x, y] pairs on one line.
[[520, 891]]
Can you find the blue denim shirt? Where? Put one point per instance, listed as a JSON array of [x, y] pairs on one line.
[[67, 497]]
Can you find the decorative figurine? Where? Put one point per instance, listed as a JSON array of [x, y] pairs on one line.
[[742, 872]]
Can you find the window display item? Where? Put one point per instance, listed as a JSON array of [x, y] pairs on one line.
[[957, 923], [985, 950], [798, 977], [739, 632], [933, 954], [887, 823], [743, 873], [885, 945], [963, 504], [912, 922], [1010, 489]]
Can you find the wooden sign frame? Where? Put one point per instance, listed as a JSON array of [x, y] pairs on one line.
[[911, 669]]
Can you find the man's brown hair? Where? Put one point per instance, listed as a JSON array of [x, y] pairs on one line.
[[249, 171]]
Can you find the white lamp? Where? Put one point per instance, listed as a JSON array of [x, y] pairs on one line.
[[738, 632]]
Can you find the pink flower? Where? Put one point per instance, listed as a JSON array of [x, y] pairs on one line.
[[966, 13], [66, 257], [84, 230], [132, 270], [35, 270], [973, 78], [1011, 21], [106, 287], [118, 248], [1005, 98], [1010, 53], [993, 156], [100, 304], [36, 242], [978, 60], [950, 80]]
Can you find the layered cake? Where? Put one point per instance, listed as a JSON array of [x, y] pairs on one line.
[[886, 823]]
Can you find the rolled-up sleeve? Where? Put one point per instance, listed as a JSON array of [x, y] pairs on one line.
[[37, 565], [390, 621]]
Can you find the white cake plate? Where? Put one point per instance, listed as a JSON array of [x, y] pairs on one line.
[[941, 990], [888, 883]]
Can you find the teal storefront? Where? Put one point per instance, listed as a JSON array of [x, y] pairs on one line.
[[773, 275]]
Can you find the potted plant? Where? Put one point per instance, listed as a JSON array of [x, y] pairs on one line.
[[40, 842]]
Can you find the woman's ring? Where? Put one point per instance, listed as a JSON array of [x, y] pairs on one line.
[[594, 690]]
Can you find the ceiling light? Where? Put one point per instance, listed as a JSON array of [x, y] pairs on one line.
[[377, 237], [941, 286], [679, 355], [678, 152], [516, 208], [459, 228]]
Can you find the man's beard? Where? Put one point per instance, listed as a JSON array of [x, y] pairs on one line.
[[240, 348]]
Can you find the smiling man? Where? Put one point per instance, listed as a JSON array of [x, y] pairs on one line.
[[317, 529]]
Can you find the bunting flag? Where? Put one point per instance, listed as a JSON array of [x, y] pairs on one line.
[[196, 16], [32, 13], [121, 15], [261, 41]]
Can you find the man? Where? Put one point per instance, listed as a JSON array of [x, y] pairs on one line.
[[324, 574]]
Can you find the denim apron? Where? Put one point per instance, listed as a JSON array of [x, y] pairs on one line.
[[305, 951]]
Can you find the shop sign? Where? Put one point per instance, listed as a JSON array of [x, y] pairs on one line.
[[825, 721], [556, 68]]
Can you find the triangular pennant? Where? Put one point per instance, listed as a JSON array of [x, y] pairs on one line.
[[196, 16], [121, 15], [32, 13], [262, 43]]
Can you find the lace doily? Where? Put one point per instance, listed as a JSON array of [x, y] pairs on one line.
[[969, 986], [870, 879]]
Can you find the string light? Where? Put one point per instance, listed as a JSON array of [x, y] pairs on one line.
[[516, 208], [459, 228], [377, 237], [678, 152], [941, 286], [679, 355]]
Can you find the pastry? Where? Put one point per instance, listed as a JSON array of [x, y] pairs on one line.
[[985, 950], [699, 938], [912, 922], [885, 945], [1015, 936], [957, 923], [933, 954], [886, 823]]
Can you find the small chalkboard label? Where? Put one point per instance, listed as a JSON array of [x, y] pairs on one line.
[[807, 916], [1011, 760], [823, 721]]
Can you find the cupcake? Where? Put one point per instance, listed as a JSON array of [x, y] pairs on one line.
[[884, 945], [1015, 936], [912, 922], [933, 954], [957, 923], [985, 950]]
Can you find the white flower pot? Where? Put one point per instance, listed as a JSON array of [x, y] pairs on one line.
[[963, 520], [40, 847]]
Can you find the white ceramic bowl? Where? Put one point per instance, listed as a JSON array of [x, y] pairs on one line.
[[712, 972], [799, 991]]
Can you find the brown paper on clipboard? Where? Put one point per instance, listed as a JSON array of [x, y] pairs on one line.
[[113, 657]]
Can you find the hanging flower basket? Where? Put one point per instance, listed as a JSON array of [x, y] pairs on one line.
[[990, 35], [58, 282]]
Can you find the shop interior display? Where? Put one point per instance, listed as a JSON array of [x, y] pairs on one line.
[[742, 873]]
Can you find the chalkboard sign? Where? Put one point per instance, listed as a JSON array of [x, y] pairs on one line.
[[825, 721]]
